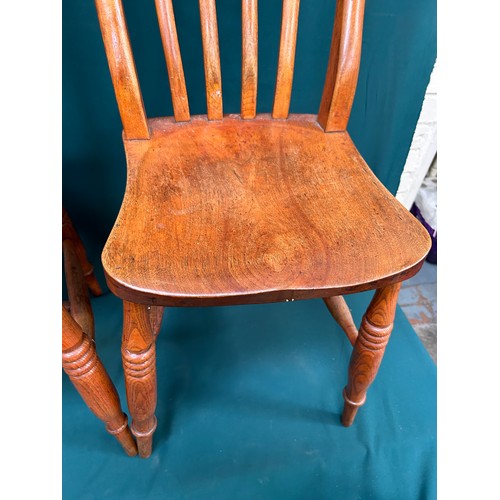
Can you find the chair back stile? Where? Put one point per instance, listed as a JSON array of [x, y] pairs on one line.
[[341, 75], [122, 68], [343, 66]]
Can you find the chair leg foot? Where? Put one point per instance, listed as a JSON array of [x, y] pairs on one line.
[[350, 410], [374, 332], [145, 439], [139, 364], [120, 430]]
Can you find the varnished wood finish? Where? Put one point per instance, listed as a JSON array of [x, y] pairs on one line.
[[156, 316], [250, 208], [342, 315], [79, 356], [122, 68], [343, 66], [286, 60], [139, 364], [211, 59], [172, 51], [374, 333], [249, 66], [88, 375], [278, 215], [78, 296], [69, 232]]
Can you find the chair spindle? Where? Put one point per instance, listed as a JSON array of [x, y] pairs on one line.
[[249, 28], [168, 30], [211, 59], [286, 60]]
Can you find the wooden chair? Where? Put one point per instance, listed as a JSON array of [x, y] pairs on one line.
[[250, 208], [79, 357]]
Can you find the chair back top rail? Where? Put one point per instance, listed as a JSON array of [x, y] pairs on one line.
[[341, 75]]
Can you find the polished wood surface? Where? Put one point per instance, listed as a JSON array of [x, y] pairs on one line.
[[248, 211], [79, 357], [342, 315], [78, 296], [88, 375], [156, 317], [374, 332], [69, 233], [79, 276], [343, 66], [168, 30], [139, 364], [211, 58], [250, 208], [122, 68], [249, 64], [286, 60]]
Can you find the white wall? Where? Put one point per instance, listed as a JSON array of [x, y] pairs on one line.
[[423, 148]]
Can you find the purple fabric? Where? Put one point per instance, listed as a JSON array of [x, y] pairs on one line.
[[432, 255]]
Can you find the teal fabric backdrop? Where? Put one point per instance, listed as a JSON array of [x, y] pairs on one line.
[[249, 397], [249, 404], [399, 50]]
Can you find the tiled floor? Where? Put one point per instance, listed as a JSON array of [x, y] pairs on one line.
[[418, 300]]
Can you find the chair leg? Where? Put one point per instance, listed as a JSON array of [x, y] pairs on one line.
[[79, 300], [342, 315], [139, 364], [374, 332], [88, 375], [69, 232], [156, 315]]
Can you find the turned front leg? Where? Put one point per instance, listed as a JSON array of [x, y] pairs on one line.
[[374, 332], [139, 364], [85, 370]]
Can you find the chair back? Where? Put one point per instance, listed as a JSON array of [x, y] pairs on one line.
[[340, 81]]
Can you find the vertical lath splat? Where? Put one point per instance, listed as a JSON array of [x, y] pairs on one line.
[[249, 28], [211, 58], [286, 61], [340, 82], [168, 31]]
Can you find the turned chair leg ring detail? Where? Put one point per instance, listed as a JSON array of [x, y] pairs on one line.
[[120, 429], [144, 434], [374, 332], [352, 403], [139, 365]]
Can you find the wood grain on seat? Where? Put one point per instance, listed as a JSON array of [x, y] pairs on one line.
[[232, 209], [241, 211]]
